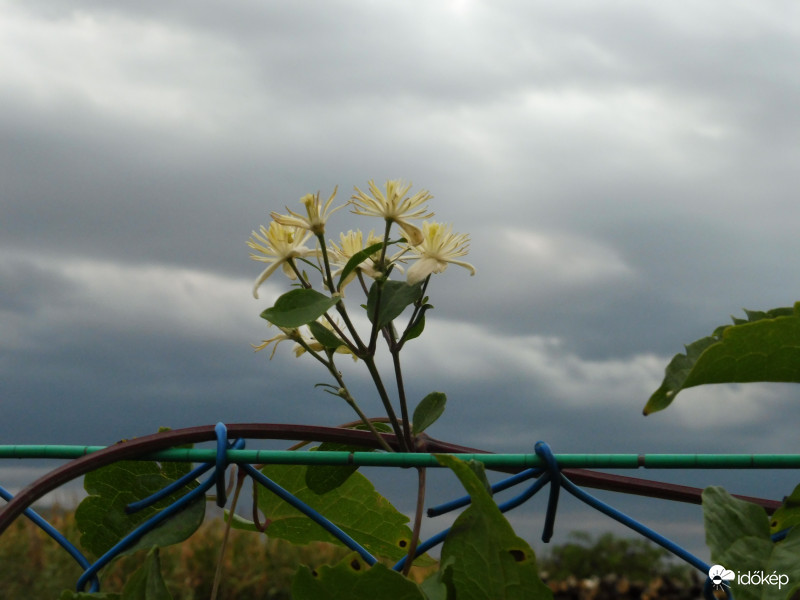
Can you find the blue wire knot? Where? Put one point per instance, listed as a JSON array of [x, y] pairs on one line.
[[543, 451]]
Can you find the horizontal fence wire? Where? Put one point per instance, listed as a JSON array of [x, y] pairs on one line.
[[400, 459], [541, 463]]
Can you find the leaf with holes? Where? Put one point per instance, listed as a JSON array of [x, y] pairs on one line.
[[101, 517], [737, 532], [489, 560], [788, 515], [298, 307], [353, 579], [354, 506], [763, 347]]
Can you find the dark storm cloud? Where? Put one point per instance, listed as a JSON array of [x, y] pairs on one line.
[[626, 172]]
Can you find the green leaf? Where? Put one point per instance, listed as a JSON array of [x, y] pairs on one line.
[[101, 517], [354, 506], [428, 411], [439, 586], [764, 347], [324, 335], [298, 307], [788, 515], [490, 561], [147, 583], [353, 579], [321, 479], [417, 328], [737, 532], [356, 260], [395, 297]]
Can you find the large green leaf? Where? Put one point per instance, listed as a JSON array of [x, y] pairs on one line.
[[763, 347], [353, 579], [737, 532], [101, 517], [489, 561], [354, 506], [394, 298], [298, 307]]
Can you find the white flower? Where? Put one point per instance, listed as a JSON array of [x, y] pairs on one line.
[[316, 217], [438, 248], [317, 346], [288, 334], [395, 206], [352, 243], [279, 245]]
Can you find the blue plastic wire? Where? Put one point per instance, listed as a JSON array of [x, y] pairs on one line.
[[543, 451], [311, 513], [56, 535], [551, 474], [172, 487], [504, 507], [633, 524], [554, 474], [423, 547], [177, 506], [779, 536], [222, 462], [497, 487], [144, 528]]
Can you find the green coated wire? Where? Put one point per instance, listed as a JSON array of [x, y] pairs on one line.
[[399, 459]]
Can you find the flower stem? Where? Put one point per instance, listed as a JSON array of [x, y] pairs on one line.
[[240, 477], [401, 392], [412, 547], [364, 419], [380, 281], [387, 404]]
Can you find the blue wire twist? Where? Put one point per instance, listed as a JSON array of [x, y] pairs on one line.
[[222, 462], [557, 479], [543, 451]]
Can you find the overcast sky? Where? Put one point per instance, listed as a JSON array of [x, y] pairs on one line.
[[627, 172]]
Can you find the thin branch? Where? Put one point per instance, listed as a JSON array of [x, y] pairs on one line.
[[412, 548]]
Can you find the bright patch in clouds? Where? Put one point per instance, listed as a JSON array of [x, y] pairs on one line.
[[120, 67], [564, 259], [465, 352], [152, 298]]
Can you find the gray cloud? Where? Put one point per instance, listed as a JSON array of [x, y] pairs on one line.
[[626, 173]]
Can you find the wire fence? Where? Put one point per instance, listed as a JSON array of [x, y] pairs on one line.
[[534, 471]]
